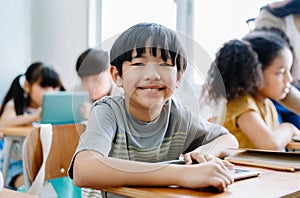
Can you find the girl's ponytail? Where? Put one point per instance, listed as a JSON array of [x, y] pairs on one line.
[[17, 93]]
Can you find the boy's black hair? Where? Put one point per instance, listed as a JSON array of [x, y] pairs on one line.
[[240, 63], [136, 37], [291, 7], [91, 62], [36, 73]]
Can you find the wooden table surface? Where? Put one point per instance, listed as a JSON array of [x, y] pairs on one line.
[[293, 146], [270, 183]]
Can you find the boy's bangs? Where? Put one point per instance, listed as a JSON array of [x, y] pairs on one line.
[[155, 40], [148, 36], [165, 54]]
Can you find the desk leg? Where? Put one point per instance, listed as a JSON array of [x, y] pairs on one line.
[[9, 144]]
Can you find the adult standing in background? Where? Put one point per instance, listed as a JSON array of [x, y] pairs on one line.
[[285, 15]]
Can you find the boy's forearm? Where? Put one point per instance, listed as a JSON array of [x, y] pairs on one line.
[[100, 172]]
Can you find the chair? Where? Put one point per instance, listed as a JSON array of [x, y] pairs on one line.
[[64, 142]]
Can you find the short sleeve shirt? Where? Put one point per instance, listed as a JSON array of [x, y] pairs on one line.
[[114, 132], [238, 106]]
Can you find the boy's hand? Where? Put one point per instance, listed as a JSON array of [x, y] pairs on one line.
[[197, 157], [209, 174]]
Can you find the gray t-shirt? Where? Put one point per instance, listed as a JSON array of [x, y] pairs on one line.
[[114, 132]]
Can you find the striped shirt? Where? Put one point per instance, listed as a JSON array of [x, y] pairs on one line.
[[113, 132]]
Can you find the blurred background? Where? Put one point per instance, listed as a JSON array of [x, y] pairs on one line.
[[57, 31]]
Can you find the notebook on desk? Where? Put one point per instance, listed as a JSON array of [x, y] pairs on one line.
[[278, 160], [63, 107]]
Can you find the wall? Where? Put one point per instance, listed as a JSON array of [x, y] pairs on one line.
[[52, 31], [59, 34], [14, 39]]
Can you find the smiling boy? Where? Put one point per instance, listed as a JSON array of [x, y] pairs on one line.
[[126, 134]]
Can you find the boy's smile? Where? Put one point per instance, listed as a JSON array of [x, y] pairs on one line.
[[151, 89]]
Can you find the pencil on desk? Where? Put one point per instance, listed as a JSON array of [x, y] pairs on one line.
[[271, 166]]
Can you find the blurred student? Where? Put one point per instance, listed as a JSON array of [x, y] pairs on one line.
[[127, 134], [22, 106], [92, 67], [285, 15], [255, 69]]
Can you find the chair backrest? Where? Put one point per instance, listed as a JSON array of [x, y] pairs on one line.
[[64, 142]]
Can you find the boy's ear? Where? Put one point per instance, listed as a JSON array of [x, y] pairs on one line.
[[115, 76], [179, 79]]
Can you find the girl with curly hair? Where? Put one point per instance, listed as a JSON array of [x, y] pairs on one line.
[[254, 69]]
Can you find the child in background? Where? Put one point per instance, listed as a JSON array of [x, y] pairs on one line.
[[22, 103], [22, 106], [127, 134], [285, 15], [92, 67], [255, 69]]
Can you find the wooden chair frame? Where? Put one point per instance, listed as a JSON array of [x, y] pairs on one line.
[[64, 142]]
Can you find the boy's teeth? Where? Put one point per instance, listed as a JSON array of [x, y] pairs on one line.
[[151, 90], [148, 89]]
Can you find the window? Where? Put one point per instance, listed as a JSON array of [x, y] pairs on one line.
[[118, 15]]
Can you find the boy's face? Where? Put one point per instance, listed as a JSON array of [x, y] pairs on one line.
[[148, 82]]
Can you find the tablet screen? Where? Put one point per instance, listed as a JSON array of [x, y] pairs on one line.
[[239, 173]]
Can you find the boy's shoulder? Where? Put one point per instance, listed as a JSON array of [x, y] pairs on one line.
[[110, 100]]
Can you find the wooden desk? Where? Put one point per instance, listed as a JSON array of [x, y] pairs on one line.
[[7, 193], [13, 135], [269, 184], [293, 146]]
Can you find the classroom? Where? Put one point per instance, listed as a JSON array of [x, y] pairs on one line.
[[50, 46]]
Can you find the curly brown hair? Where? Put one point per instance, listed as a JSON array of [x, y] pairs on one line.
[[240, 64], [239, 68]]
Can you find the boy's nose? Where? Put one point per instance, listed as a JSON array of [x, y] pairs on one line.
[[152, 73]]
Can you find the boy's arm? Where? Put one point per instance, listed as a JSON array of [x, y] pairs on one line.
[[93, 170], [216, 148]]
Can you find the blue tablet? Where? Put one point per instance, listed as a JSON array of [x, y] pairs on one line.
[[63, 107]]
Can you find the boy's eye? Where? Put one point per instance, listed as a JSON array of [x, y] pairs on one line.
[[166, 65], [138, 64]]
